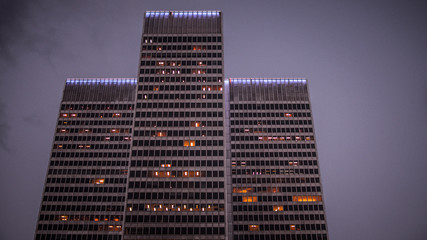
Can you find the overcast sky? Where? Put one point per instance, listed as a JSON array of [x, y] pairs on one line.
[[366, 62]]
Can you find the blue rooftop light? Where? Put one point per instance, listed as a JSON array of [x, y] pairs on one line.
[[267, 81], [107, 81]]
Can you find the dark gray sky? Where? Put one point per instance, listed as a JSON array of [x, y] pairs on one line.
[[366, 62]]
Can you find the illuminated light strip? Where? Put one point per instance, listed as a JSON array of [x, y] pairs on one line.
[[267, 80], [195, 14], [79, 81]]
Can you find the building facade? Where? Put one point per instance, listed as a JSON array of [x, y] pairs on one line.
[[180, 152], [85, 188]]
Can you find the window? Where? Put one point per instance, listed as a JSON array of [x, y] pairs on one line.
[[189, 143], [253, 227], [307, 198], [249, 199], [277, 208], [98, 181]]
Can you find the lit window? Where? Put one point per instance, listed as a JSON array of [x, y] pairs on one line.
[[307, 198], [249, 199], [64, 218], [253, 227], [242, 190], [288, 114], [293, 228], [189, 143], [161, 134], [98, 181], [277, 208], [195, 124], [307, 138]]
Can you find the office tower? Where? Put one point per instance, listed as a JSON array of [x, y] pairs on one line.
[[85, 188], [177, 172], [276, 188], [181, 153]]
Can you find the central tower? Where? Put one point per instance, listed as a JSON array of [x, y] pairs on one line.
[[177, 172]]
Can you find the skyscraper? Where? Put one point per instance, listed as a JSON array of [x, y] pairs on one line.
[[276, 188], [177, 171], [85, 186], [180, 152]]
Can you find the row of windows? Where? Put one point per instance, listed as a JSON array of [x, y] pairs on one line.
[[176, 207], [287, 180], [90, 130], [177, 123], [244, 163], [183, 97], [293, 236], [280, 227], [95, 122], [177, 219], [90, 155], [178, 143], [183, 174], [69, 236], [177, 114], [93, 138], [79, 227], [86, 189], [94, 218], [260, 172], [279, 163], [91, 146], [181, 47], [175, 231], [86, 171], [181, 63], [271, 122], [167, 71], [276, 189], [97, 106], [268, 208], [272, 154], [83, 208], [178, 195], [159, 39], [96, 115], [178, 153], [273, 146], [178, 79], [83, 198], [177, 163], [278, 217], [203, 133], [180, 88], [269, 106], [271, 138], [269, 114], [271, 130], [177, 184], [186, 105], [180, 55], [87, 180], [274, 180]]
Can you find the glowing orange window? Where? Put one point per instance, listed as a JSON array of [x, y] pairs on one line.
[[253, 227]]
